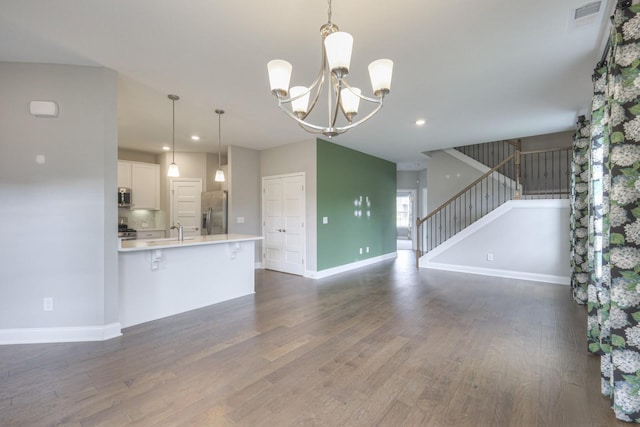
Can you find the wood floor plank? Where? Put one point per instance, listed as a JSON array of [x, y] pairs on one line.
[[384, 345]]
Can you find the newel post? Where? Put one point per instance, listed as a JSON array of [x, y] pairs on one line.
[[518, 192]]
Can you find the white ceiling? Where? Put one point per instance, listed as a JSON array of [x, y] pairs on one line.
[[476, 71]]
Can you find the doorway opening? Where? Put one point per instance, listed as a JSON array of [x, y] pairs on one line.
[[405, 230]]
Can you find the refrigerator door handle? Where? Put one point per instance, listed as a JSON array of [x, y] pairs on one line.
[[209, 220]]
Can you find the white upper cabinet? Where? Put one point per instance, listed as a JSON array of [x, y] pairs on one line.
[[144, 181], [124, 174]]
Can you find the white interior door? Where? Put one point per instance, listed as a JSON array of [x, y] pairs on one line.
[[185, 205], [283, 223]]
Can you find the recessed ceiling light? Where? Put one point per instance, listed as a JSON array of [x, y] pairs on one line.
[[195, 137], [420, 122], [166, 148]]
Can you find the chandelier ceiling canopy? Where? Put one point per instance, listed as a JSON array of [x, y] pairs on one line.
[[341, 97]]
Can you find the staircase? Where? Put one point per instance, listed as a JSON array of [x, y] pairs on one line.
[[512, 174]]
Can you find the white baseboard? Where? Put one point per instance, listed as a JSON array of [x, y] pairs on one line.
[[347, 267], [523, 275], [259, 266], [57, 335]]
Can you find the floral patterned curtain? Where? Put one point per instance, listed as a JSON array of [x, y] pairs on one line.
[[580, 212], [624, 215], [598, 338], [613, 245]]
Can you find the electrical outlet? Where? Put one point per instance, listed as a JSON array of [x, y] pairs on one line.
[[360, 251], [47, 304], [489, 257], [240, 220]]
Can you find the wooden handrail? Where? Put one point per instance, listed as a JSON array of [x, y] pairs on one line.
[[544, 151], [419, 221]]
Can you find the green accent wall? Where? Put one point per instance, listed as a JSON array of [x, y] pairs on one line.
[[344, 176]]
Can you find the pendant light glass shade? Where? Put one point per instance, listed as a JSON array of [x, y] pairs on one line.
[[219, 173], [173, 171]]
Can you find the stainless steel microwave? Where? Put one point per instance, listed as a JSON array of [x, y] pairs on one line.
[[124, 197]]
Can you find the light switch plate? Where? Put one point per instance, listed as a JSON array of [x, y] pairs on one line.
[[240, 220], [325, 220]]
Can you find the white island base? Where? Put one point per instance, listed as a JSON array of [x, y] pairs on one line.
[[164, 277]]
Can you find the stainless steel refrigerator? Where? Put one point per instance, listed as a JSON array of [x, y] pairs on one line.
[[214, 212]]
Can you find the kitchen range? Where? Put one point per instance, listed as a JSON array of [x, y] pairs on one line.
[[124, 232]]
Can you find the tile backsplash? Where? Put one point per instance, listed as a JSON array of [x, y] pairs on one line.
[[140, 218]]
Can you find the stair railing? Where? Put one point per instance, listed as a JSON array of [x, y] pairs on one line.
[[536, 174], [470, 204]]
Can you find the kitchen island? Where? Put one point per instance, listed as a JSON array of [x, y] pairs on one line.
[[163, 277]]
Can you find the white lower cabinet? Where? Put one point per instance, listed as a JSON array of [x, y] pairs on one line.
[[152, 234]]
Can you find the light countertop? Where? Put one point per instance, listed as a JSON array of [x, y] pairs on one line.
[[172, 242]]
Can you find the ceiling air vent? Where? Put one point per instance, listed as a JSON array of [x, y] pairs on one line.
[[587, 15], [587, 10]]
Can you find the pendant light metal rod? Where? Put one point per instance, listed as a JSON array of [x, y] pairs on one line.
[[219, 173], [173, 168]]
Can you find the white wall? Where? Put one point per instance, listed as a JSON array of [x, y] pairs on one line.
[[527, 238], [244, 191], [446, 176], [58, 216], [292, 158]]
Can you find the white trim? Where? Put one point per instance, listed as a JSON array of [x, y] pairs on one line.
[[490, 217], [348, 267], [523, 275], [57, 335], [259, 266]]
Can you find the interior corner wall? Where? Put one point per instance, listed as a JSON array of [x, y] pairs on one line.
[[294, 158], [244, 193], [345, 176], [407, 180], [58, 211], [446, 176]]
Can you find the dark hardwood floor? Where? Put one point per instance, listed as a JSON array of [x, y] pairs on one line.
[[383, 345]]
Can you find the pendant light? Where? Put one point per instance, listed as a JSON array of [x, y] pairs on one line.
[[173, 171], [219, 173]]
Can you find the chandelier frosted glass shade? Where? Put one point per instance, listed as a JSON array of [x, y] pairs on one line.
[[339, 46], [219, 176], [342, 98], [350, 100], [380, 72], [299, 100], [279, 76]]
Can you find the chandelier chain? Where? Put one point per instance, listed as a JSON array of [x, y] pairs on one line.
[[329, 12]]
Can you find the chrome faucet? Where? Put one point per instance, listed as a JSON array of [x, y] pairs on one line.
[[180, 231]]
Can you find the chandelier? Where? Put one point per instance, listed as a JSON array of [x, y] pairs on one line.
[[341, 97]]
